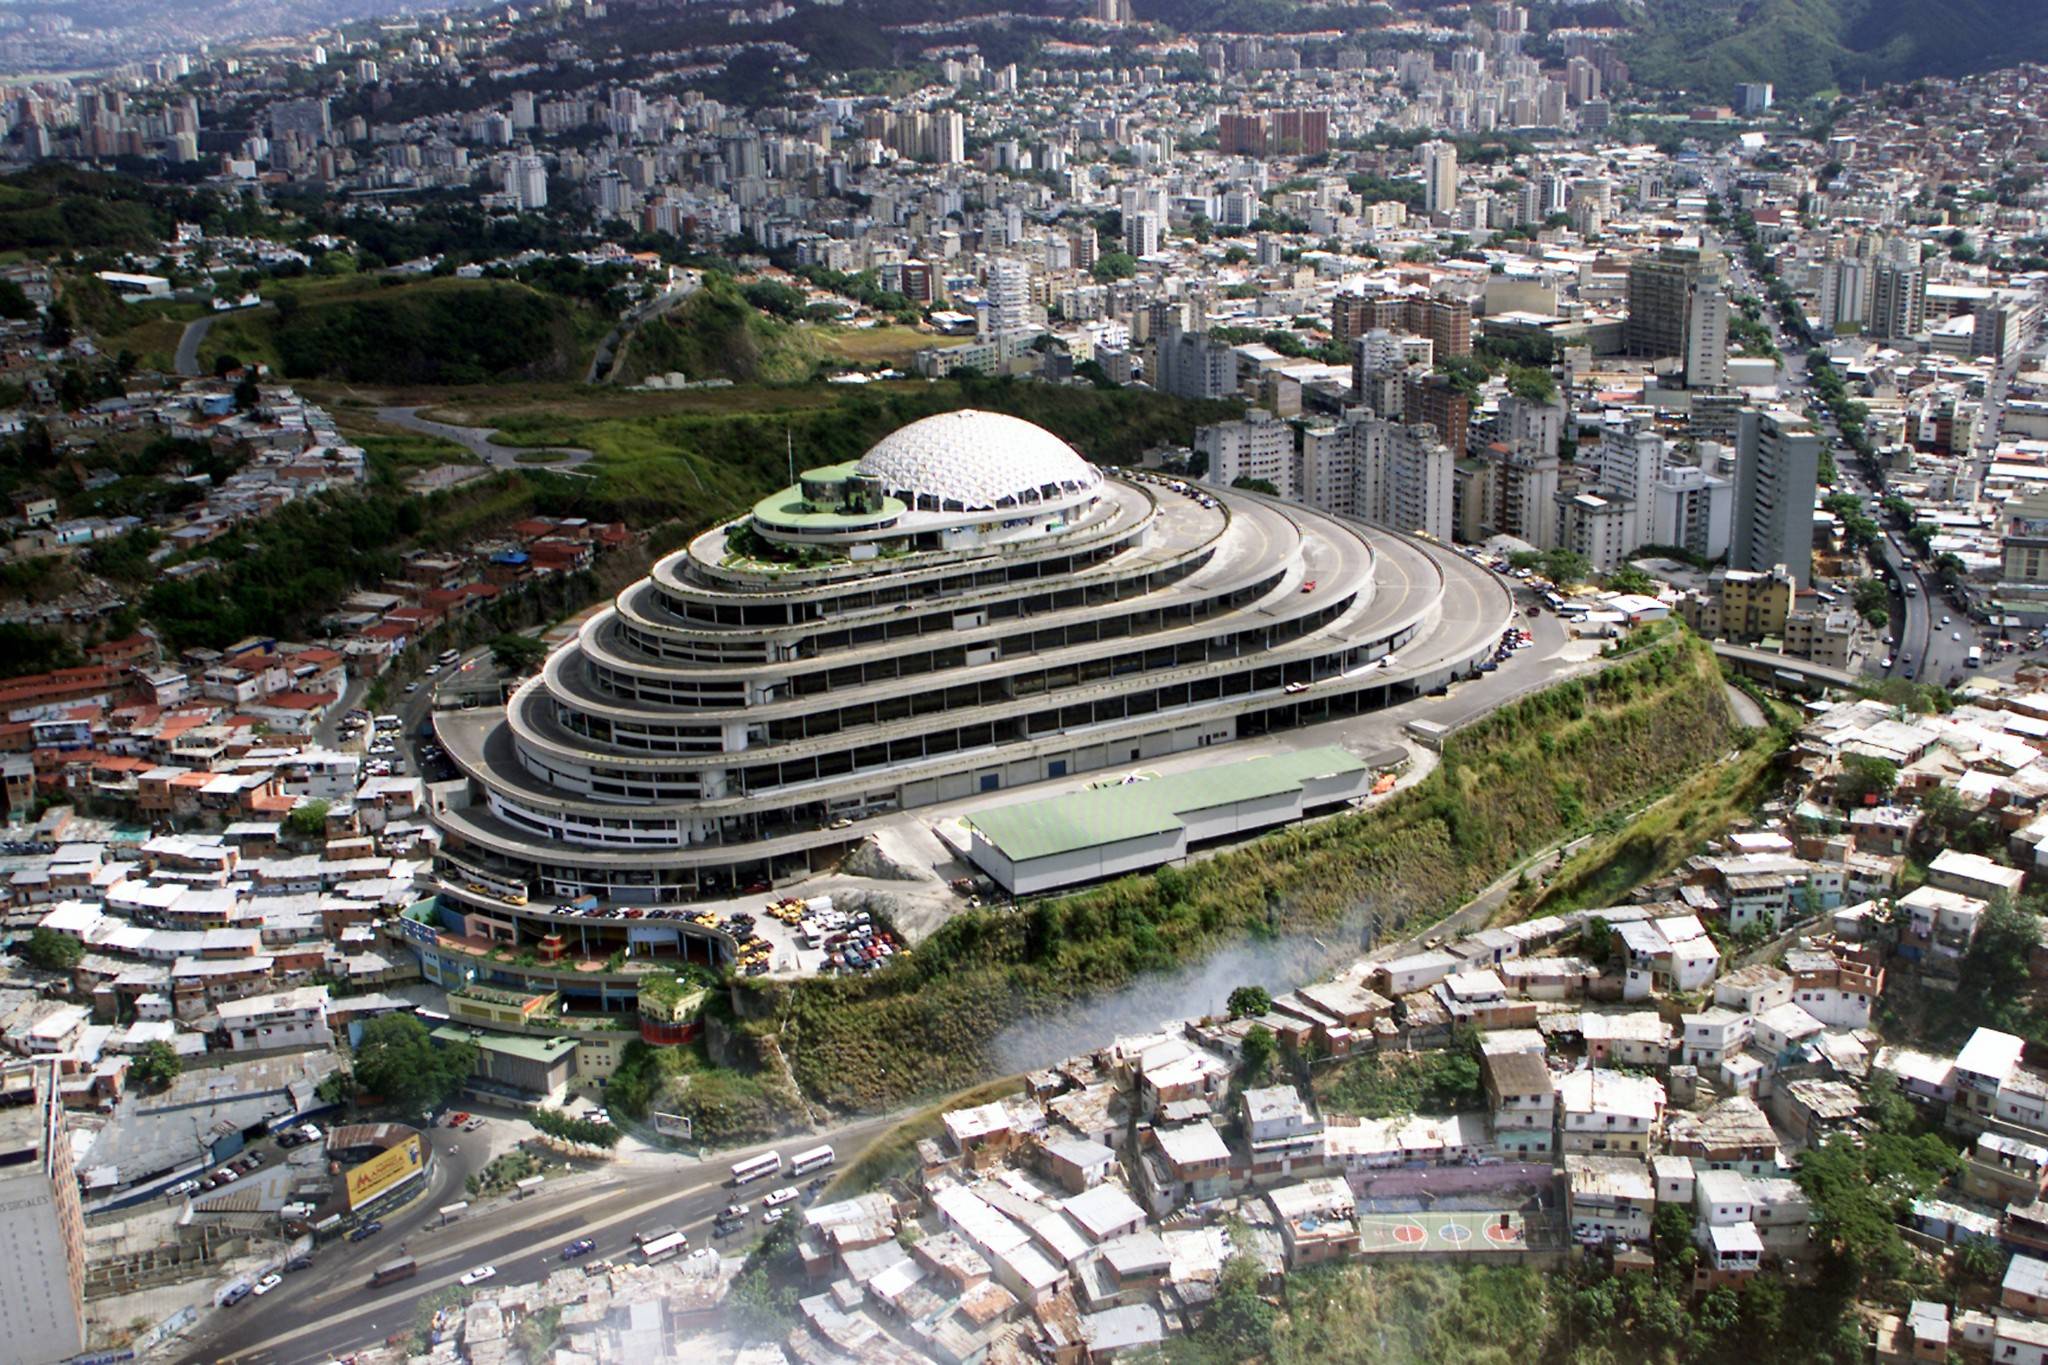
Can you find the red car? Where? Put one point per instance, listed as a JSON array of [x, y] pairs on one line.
[[1309, 586]]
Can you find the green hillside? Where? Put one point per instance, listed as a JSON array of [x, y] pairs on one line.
[[442, 332], [1807, 46], [716, 334]]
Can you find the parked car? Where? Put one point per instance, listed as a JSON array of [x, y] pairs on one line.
[[235, 1295], [299, 1263], [369, 1229], [267, 1283]]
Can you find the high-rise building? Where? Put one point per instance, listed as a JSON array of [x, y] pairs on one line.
[[1439, 177], [1693, 510], [1009, 295], [1447, 322], [1525, 479], [1353, 315], [1432, 398], [1596, 527], [1662, 290], [306, 118], [1846, 286], [529, 181], [1086, 246], [1898, 301], [1141, 233], [1777, 470], [1192, 364], [1395, 473], [1260, 448], [1406, 472], [42, 1227], [1626, 464], [1706, 339]]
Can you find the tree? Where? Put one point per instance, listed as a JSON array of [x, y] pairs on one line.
[[1249, 1002], [52, 951], [1115, 265], [157, 1065], [1671, 1236], [1866, 779], [398, 1060], [1628, 578], [13, 303], [1239, 1315], [225, 364], [1565, 566], [514, 653], [247, 395], [57, 325], [1259, 1048], [308, 819]]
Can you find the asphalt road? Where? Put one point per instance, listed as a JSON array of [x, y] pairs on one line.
[[1923, 648], [187, 360], [331, 1310], [481, 442]]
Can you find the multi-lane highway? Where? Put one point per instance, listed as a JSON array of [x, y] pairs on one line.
[[331, 1310]]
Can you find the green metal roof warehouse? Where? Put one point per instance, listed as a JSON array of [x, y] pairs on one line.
[[1107, 831]]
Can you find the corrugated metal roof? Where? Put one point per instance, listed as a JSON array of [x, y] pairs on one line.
[[1107, 815]]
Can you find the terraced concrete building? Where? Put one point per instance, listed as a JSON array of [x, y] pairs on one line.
[[968, 608]]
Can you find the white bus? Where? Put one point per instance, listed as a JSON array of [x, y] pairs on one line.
[[665, 1248], [756, 1168], [817, 1159]]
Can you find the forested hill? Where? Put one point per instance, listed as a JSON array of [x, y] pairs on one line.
[[1806, 46], [1701, 46]]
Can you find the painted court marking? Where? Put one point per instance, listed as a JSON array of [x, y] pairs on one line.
[[1410, 1234], [1509, 1236], [1457, 1234]]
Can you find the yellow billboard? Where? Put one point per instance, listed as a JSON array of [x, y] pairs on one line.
[[390, 1167]]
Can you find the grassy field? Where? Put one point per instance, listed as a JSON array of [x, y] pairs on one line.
[[889, 344]]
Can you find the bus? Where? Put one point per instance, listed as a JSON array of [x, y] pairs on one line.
[[665, 1248], [817, 1159], [756, 1168], [404, 1268], [1975, 659]]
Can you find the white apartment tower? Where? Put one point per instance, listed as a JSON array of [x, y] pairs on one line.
[[1141, 233], [1629, 459], [529, 181], [1439, 177], [1706, 339], [1693, 510], [1376, 470], [1259, 447], [1009, 296]]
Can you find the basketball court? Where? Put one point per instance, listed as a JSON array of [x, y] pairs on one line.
[[1441, 1232]]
